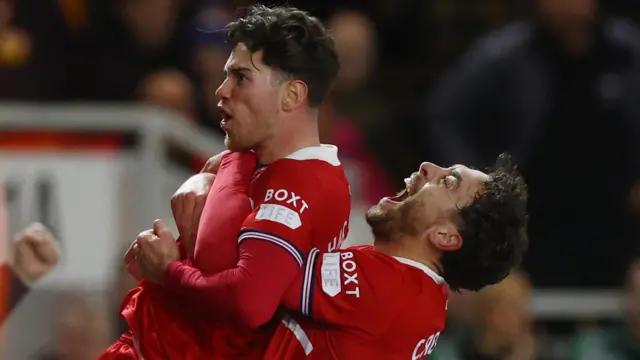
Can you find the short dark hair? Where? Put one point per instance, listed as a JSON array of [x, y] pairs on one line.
[[493, 229], [293, 42]]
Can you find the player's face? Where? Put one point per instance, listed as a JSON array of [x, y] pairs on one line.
[[432, 194], [249, 100]]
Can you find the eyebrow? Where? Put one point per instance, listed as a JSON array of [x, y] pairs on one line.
[[456, 172], [236, 70]]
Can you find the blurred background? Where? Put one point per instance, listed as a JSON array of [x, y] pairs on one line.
[[107, 105]]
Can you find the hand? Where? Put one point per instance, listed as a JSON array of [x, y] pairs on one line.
[[155, 251], [187, 204], [242, 167], [36, 253], [213, 164], [130, 262]]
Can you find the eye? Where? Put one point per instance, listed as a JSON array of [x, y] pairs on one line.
[[450, 181], [241, 78]]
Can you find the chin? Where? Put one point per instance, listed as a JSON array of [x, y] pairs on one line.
[[383, 222], [235, 145]]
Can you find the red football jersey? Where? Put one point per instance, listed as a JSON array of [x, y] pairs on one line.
[[361, 304], [299, 203]]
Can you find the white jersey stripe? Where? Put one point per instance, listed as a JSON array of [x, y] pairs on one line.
[[299, 333], [290, 248], [308, 282]]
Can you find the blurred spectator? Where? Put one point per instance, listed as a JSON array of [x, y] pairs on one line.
[[501, 329], [81, 332], [353, 109], [33, 51], [142, 36], [350, 112], [170, 89], [561, 92], [356, 42], [15, 44], [620, 342], [209, 54]]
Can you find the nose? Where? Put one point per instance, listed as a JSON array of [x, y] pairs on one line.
[[223, 91], [430, 170]]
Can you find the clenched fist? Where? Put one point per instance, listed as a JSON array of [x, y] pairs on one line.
[[35, 253], [154, 251], [187, 204]]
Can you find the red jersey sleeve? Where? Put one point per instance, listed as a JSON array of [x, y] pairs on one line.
[[272, 245], [285, 211], [349, 288]]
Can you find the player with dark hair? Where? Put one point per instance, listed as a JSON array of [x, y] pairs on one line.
[[388, 301], [422, 224], [279, 71]]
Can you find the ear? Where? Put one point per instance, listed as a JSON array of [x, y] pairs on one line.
[[295, 94], [445, 237]]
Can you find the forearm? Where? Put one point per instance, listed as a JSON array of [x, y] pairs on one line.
[[216, 247], [248, 294], [16, 290]]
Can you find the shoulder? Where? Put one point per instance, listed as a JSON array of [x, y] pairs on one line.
[[311, 164], [315, 172], [380, 275]]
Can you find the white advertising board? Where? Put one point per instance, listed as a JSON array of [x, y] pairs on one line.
[[80, 197]]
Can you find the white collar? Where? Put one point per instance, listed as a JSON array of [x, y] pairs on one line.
[[432, 274], [327, 153]]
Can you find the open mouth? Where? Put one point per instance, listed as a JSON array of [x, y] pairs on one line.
[[401, 196], [226, 117]]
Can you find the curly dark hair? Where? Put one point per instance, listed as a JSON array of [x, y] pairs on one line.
[[493, 229], [293, 42]]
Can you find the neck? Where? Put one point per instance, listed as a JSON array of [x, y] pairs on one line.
[[303, 133], [409, 248]]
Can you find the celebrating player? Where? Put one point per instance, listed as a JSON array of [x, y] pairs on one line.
[[388, 301], [281, 67]]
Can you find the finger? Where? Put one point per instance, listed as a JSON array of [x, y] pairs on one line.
[[197, 214], [195, 221], [183, 218], [130, 254], [48, 252], [161, 229], [148, 232], [134, 270], [142, 245], [177, 206]]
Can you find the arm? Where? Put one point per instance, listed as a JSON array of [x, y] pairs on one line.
[[212, 165], [275, 237], [16, 289], [348, 288], [35, 255], [248, 294]]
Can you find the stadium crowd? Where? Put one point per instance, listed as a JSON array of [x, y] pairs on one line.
[[554, 82]]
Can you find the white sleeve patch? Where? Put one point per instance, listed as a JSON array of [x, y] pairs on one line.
[[330, 274], [280, 214]]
